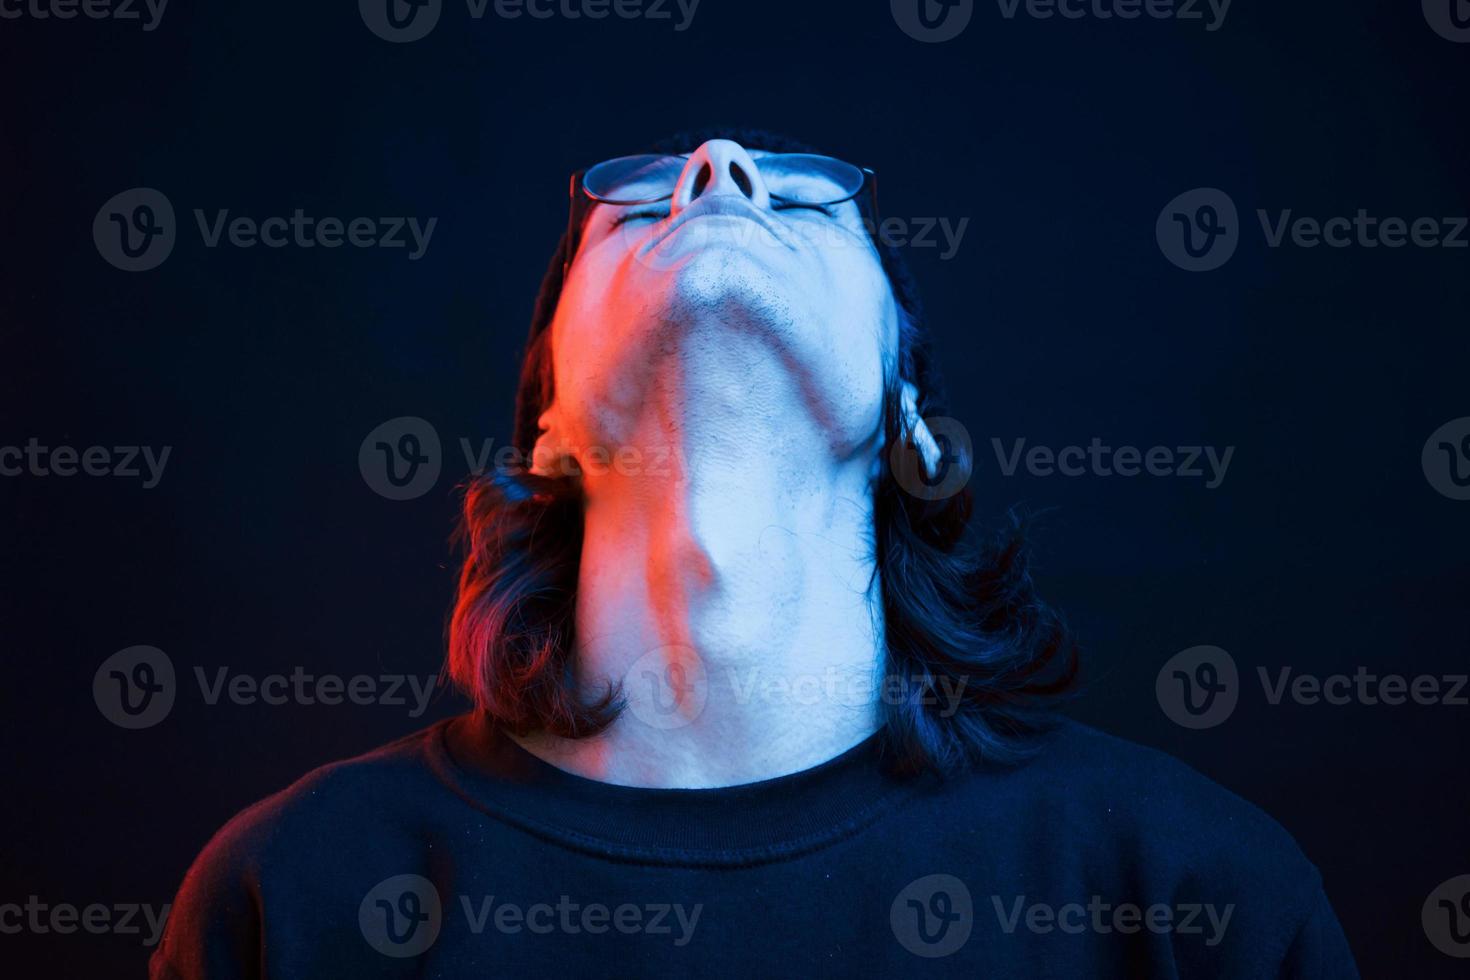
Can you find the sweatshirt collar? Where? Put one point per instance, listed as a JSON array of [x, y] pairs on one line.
[[730, 826]]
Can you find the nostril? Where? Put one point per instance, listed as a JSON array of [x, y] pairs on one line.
[[742, 180], [702, 179]]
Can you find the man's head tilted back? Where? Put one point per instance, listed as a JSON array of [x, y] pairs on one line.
[[720, 361], [707, 632]]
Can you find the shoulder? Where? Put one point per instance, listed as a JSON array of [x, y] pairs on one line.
[[375, 785], [1127, 818], [1105, 785], [294, 848], [291, 844], [1153, 790], [1094, 820]]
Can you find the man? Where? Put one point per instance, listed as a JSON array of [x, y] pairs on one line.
[[748, 700]]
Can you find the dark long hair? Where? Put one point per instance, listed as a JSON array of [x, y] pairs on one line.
[[961, 614]]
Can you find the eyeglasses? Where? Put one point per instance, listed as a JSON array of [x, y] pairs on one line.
[[796, 179], [800, 178]]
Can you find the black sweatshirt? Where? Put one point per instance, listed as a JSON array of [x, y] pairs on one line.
[[455, 853]]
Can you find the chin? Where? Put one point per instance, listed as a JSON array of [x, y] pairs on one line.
[[731, 286]]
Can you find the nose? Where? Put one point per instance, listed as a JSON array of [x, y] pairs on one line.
[[720, 167]]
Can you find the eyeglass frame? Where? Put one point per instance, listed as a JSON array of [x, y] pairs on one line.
[[870, 184]]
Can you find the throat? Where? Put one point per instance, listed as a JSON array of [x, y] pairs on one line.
[[738, 609]]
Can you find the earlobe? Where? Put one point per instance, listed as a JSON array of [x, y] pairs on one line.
[[548, 456], [918, 432]]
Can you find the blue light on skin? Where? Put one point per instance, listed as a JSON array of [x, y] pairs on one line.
[[746, 345]]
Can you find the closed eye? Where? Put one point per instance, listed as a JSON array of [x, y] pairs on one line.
[[780, 205], [636, 214]]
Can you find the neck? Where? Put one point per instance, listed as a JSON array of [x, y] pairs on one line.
[[728, 585]]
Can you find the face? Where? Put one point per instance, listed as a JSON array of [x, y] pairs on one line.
[[723, 291]]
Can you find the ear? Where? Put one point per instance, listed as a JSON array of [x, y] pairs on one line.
[[917, 430], [550, 457]]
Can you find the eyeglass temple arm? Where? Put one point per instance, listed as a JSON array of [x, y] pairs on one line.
[[567, 246]]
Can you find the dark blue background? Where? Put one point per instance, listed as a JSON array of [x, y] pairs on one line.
[[1059, 320]]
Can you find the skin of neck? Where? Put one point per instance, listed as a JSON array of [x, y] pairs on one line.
[[728, 580]]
